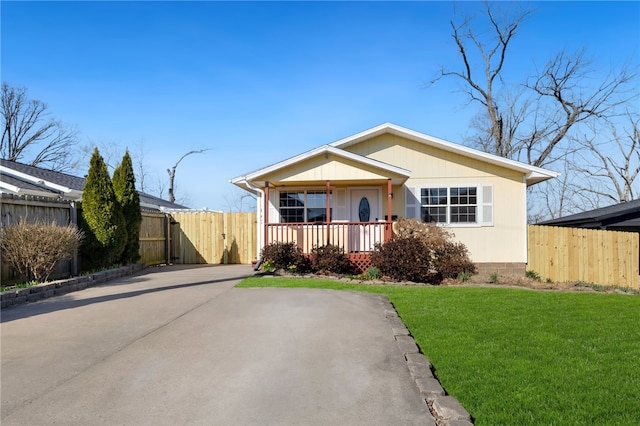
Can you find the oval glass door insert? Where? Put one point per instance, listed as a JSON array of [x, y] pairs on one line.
[[364, 210]]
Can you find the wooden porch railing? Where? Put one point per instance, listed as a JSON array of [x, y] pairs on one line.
[[352, 237]]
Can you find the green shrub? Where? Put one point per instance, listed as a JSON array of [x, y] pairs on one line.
[[102, 221], [464, 276], [268, 266], [372, 273], [329, 259], [284, 255], [34, 249], [533, 275], [493, 278], [124, 186]]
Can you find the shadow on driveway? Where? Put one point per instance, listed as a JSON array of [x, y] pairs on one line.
[[62, 302]]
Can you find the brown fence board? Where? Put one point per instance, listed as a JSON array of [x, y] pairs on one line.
[[153, 238], [584, 255]]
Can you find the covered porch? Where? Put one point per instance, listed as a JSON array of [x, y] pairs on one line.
[[355, 217], [327, 196]]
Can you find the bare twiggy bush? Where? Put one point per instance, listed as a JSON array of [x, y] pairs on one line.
[[422, 252], [433, 235], [34, 249]]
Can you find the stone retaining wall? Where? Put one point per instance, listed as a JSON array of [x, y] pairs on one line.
[[56, 288]]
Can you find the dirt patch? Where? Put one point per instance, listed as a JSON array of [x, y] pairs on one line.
[[514, 281], [503, 281]]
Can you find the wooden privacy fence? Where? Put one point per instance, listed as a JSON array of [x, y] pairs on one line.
[[154, 238], [562, 254], [198, 237], [34, 209]]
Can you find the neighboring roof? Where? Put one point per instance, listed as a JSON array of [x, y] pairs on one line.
[[21, 179], [147, 200], [533, 174], [625, 215], [59, 183]]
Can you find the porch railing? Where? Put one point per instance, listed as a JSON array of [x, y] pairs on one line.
[[352, 237]]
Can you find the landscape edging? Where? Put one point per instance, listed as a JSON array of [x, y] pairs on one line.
[[446, 410], [34, 293]]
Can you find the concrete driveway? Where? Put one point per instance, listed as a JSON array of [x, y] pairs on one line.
[[182, 346]]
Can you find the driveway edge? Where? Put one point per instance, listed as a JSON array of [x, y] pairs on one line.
[[444, 408]]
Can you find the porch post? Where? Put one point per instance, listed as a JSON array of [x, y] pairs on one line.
[[266, 213], [389, 208], [328, 206]]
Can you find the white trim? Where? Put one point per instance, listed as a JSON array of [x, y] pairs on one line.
[[533, 174], [305, 189], [319, 151], [479, 204], [40, 181], [525, 221]]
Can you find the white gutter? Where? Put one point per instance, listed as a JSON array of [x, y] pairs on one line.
[[259, 205], [39, 181]]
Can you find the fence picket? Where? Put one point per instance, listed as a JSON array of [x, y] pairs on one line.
[[593, 256]]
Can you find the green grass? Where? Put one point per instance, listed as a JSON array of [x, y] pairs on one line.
[[522, 357], [18, 285]]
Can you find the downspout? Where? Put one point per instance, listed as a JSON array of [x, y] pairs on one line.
[[260, 229]]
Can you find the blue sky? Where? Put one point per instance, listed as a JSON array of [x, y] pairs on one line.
[[258, 82]]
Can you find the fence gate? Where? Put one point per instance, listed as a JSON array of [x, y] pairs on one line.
[[213, 237]]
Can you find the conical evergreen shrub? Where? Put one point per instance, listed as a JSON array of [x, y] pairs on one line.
[[102, 219], [124, 185]]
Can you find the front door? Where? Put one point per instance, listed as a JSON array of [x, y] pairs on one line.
[[365, 207]]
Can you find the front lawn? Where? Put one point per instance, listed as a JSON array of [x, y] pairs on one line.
[[521, 357]]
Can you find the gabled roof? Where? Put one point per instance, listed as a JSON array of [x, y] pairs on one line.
[[533, 174], [322, 150], [619, 215], [21, 179]]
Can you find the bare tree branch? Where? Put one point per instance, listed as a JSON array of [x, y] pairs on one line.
[[172, 172], [529, 124], [614, 173], [31, 136]]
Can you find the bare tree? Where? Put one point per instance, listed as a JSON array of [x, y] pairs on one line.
[[31, 136], [527, 123], [240, 201], [612, 174], [172, 172]]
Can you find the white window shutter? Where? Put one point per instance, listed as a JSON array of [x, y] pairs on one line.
[[412, 204], [274, 210], [339, 204], [487, 205]]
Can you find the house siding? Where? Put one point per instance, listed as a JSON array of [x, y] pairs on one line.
[[431, 167], [321, 168]]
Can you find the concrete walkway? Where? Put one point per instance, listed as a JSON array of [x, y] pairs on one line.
[[182, 346]]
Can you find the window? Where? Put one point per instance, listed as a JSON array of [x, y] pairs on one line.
[[449, 205], [304, 206]]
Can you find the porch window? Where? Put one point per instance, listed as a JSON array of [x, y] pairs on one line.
[[304, 206], [449, 205]]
